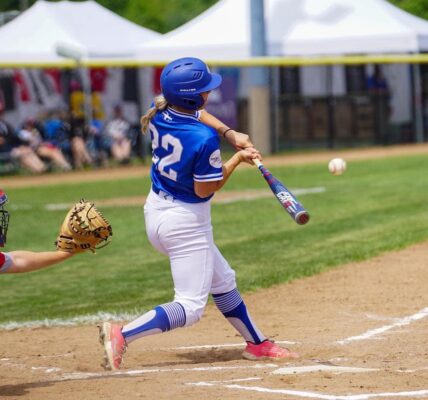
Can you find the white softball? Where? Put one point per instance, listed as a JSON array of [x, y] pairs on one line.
[[337, 166]]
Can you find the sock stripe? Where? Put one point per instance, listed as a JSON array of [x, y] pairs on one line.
[[228, 301], [233, 308], [175, 313]]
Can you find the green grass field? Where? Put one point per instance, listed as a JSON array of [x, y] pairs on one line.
[[376, 206]]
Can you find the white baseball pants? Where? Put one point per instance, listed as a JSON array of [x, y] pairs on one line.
[[183, 232]]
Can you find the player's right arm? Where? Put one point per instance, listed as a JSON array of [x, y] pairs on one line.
[[205, 189], [237, 139], [25, 261]]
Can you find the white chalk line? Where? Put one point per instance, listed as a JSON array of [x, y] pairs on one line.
[[321, 367], [74, 321], [292, 370], [230, 380], [314, 395], [398, 323], [138, 372], [212, 346]]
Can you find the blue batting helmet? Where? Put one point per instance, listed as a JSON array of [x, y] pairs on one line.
[[183, 80], [4, 218]]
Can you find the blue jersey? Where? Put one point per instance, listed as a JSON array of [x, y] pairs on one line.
[[184, 150]]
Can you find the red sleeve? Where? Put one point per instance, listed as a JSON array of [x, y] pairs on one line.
[[2, 259]]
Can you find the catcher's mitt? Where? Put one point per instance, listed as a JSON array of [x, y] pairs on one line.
[[84, 228]]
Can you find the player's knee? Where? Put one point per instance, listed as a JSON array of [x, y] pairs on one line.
[[225, 285], [194, 312]]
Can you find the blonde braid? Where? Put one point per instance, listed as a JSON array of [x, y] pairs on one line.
[[160, 105]]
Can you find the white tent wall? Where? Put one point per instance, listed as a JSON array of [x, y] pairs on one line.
[[398, 77], [37, 89], [315, 81], [349, 27], [304, 27], [221, 32]]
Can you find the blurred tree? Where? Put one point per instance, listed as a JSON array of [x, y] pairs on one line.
[[164, 16], [9, 5], [416, 7]]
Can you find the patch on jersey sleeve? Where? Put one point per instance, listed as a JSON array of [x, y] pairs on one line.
[[215, 159]]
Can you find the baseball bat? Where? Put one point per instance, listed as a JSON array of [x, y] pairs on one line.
[[284, 196]]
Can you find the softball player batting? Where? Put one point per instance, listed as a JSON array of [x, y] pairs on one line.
[[187, 169], [21, 260]]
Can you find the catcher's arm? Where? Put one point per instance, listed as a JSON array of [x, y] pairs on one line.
[[237, 139], [26, 261]]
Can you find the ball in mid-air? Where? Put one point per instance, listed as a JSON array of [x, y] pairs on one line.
[[337, 166]]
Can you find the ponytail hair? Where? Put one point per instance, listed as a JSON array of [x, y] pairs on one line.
[[160, 105]]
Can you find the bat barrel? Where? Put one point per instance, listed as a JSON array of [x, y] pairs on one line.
[[302, 217], [284, 196]]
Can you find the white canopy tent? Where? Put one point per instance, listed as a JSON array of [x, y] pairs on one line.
[[83, 27], [304, 27], [221, 32], [325, 27]]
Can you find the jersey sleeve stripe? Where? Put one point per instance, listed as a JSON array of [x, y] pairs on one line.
[[208, 179], [208, 175]]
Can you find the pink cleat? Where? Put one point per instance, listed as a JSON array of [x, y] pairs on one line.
[[114, 345], [267, 350]]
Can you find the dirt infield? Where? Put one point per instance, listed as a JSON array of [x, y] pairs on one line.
[[361, 331], [371, 316]]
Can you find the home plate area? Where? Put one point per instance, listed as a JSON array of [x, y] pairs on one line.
[[360, 330]]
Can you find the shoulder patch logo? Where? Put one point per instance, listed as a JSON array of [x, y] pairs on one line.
[[215, 159], [166, 116]]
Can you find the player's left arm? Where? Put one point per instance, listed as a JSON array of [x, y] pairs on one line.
[[205, 189], [26, 261], [238, 140]]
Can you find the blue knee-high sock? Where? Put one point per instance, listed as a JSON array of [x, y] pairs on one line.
[[233, 308], [161, 319]]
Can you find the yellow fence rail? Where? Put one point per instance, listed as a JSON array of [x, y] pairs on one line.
[[250, 62]]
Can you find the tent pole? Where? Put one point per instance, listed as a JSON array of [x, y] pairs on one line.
[[259, 100], [331, 105], [417, 104], [87, 93]]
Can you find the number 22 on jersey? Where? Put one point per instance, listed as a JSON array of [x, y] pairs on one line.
[[166, 142]]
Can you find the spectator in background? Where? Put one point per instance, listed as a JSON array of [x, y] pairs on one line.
[[376, 82], [378, 86], [12, 146], [56, 131], [77, 99], [78, 128], [78, 137], [117, 131], [96, 142], [68, 134], [30, 134]]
